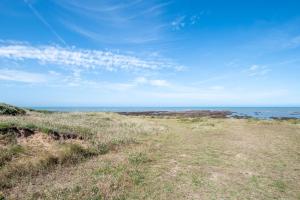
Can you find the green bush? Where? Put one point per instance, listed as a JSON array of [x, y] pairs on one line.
[[6, 109]]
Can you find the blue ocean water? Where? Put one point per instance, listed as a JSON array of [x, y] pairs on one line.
[[258, 112]]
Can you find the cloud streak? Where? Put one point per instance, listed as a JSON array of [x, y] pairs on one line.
[[42, 19], [82, 58], [257, 70], [21, 76]]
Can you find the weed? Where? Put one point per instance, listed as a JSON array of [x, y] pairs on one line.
[[138, 158], [109, 169], [197, 181], [280, 185], [102, 148], [137, 176]]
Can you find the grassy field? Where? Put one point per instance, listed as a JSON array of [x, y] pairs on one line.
[[110, 156]]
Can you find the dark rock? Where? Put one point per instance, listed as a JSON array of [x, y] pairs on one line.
[[283, 118], [192, 113]]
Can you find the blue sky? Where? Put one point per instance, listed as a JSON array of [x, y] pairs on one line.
[[150, 53]]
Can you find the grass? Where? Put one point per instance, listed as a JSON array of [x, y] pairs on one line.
[[100, 134], [120, 157], [280, 185], [138, 158], [9, 153]]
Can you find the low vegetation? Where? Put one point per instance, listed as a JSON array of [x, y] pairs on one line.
[[109, 156], [6, 109]]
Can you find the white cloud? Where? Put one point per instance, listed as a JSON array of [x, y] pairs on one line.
[[253, 67], [54, 73], [182, 21], [141, 80], [21, 76], [159, 83], [178, 23], [194, 19], [83, 58], [257, 70], [217, 87], [153, 82], [293, 42]]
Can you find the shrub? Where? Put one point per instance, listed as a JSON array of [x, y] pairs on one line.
[[6, 109]]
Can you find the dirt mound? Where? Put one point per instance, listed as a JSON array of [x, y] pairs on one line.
[[26, 132], [18, 132]]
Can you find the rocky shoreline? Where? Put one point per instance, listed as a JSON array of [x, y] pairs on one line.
[[190, 113]]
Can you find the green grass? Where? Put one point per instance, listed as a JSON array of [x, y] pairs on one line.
[[138, 158], [280, 185]]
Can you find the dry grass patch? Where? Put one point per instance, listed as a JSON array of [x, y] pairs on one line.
[[39, 143]]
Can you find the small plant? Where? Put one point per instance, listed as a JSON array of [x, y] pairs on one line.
[[137, 176], [102, 148], [280, 185], [138, 158], [116, 171]]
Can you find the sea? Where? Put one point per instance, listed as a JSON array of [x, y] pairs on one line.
[[256, 112]]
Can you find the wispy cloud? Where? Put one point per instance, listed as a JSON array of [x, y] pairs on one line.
[[21, 76], [156, 8], [257, 70], [115, 22], [183, 21], [83, 58], [179, 23], [293, 42], [217, 87], [194, 19], [97, 36], [44, 21]]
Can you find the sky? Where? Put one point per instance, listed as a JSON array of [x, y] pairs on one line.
[[150, 52]]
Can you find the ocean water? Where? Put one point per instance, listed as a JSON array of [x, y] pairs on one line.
[[258, 112]]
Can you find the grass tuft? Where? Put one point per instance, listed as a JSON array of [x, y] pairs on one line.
[[138, 158], [279, 185], [9, 153], [73, 153]]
